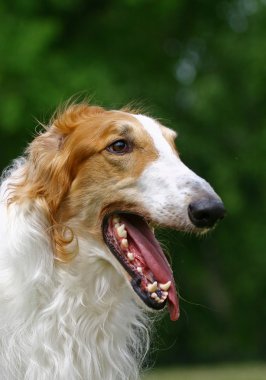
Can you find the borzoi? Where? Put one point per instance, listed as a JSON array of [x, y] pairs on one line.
[[80, 266]]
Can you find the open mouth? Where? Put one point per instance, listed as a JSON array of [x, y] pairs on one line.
[[132, 242]]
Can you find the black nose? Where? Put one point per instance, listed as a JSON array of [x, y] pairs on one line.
[[206, 212]]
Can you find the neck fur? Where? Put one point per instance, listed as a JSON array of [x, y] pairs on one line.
[[63, 321]]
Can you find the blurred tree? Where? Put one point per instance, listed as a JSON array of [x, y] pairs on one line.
[[199, 67]]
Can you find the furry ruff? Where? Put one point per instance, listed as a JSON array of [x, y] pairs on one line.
[[67, 307], [58, 320]]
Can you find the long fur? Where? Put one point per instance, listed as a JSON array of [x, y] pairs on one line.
[[67, 309], [61, 320]]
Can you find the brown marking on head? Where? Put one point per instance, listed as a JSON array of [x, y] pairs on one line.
[[70, 168]]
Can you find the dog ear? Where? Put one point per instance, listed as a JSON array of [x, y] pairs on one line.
[[67, 119], [51, 166]]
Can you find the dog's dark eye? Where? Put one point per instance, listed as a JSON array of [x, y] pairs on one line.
[[119, 147]]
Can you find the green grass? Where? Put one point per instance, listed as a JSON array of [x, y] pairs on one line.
[[219, 372]]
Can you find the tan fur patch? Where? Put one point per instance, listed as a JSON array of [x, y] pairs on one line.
[[69, 167]]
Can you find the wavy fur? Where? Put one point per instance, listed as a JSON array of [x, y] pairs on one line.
[[67, 309], [61, 321]]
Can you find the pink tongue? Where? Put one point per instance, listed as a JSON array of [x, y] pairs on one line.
[[154, 257]]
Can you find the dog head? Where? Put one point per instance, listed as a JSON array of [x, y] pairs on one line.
[[113, 174]]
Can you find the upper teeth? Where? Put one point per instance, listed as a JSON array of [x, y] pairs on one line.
[[121, 232], [124, 243], [130, 256], [116, 220], [165, 286]]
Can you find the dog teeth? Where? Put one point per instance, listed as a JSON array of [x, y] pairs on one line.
[[116, 220], [164, 295], [165, 286], [139, 269], [157, 298], [121, 232], [152, 287], [124, 243], [130, 256]]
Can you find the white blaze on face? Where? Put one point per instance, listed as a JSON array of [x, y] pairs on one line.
[[167, 186]]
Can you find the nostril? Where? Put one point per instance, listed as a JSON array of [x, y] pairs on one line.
[[200, 214], [206, 212]]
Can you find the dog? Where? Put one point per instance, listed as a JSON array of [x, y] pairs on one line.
[[81, 271]]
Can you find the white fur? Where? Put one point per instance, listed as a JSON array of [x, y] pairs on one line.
[[62, 321], [79, 321], [167, 186]]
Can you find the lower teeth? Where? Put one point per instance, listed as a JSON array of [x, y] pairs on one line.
[[158, 292]]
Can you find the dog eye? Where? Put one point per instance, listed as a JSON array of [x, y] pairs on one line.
[[119, 147]]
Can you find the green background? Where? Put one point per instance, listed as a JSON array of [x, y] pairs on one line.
[[200, 66]]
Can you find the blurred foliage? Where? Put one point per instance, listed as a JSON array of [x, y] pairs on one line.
[[213, 372], [201, 68]]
